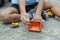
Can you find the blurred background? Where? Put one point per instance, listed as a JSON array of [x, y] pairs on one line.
[[3, 2]]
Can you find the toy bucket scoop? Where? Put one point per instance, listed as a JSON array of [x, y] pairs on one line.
[[35, 26]]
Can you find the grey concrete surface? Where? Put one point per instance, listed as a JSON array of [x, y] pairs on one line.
[[50, 30]]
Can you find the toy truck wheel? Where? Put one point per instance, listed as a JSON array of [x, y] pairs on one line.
[[43, 16]]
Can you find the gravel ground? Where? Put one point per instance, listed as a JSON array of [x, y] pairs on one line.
[[50, 30]]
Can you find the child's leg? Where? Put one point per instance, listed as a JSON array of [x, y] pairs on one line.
[[56, 10], [12, 18], [7, 12], [53, 8], [10, 13]]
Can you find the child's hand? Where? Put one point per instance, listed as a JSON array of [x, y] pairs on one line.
[[25, 18], [38, 18]]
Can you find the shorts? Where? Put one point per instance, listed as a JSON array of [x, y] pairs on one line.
[[28, 7]]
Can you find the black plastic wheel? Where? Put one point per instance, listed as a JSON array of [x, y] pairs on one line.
[[43, 16]]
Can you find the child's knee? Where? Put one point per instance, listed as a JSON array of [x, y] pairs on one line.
[[12, 18], [15, 17], [51, 4], [1, 16]]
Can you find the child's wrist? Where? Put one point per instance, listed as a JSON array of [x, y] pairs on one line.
[[23, 12]]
